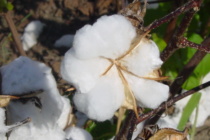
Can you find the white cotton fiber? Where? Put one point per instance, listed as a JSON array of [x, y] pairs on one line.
[[3, 128], [101, 102], [110, 37], [144, 59], [167, 122], [64, 41], [76, 133], [138, 130], [24, 75], [31, 34], [83, 74], [148, 93]]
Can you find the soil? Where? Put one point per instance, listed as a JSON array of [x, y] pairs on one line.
[[60, 17]]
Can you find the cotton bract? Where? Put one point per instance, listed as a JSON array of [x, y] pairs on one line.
[[104, 71]]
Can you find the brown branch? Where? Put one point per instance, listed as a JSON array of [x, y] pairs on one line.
[[172, 45], [128, 127], [184, 42], [172, 101], [186, 7], [14, 33]]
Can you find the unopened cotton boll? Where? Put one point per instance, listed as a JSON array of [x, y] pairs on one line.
[[93, 66], [31, 34], [24, 75], [76, 133], [64, 41]]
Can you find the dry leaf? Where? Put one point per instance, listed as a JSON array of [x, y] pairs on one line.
[[5, 99], [169, 134]]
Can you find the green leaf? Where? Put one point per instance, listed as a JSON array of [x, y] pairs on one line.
[[4, 5], [9, 6], [187, 111], [159, 41], [101, 130]]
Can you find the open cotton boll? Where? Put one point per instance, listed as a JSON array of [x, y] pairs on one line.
[[83, 74], [64, 41], [144, 59], [31, 34], [95, 66], [101, 102], [76, 133], [110, 37], [24, 75]]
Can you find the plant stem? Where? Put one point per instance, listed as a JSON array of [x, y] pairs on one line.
[[14, 33], [179, 32], [182, 77], [172, 101], [128, 127]]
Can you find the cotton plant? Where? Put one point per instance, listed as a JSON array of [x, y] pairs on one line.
[[113, 68], [22, 78]]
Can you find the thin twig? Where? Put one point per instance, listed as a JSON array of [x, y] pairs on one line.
[[172, 45], [186, 7], [184, 42], [14, 33], [172, 101]]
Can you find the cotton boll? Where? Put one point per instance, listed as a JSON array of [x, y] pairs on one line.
[[3, 128], [32, 133], [167, 122], [110, 37], [76, 133], [103, 100], [148, 93], [31, 33], [144, 59], [27, 75], [23, 75], [83, 74], [64, 41], [202, 116]]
